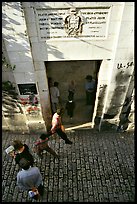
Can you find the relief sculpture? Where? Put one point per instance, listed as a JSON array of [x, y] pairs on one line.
[[73, 23]]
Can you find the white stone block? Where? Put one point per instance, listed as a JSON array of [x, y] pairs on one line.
[[19, 29], [8, 31], [20, 77], [32, 30], [42, 80], [19, 57], [128, 14], [13, 57], [114, 27], [7, 76], [34, 39], [25, 56], [40, 51], [116, 12], [39, 66], [127, 28], [29, 13], [25, 66], [20, 44], [125, 53], [26, 4], [126, 41], [30, 77]]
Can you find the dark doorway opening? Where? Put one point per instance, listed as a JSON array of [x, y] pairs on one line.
[[65, 71]]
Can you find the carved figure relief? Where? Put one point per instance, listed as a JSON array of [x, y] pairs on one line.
[[73, 23]]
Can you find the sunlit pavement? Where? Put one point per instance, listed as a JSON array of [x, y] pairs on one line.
[[97, 167]]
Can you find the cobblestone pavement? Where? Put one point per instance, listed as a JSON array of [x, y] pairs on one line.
[[97, 167]]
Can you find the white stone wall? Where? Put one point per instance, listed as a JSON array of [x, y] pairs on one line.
[[113, 50], [123, 65], [83, 49], [17, 42], [116, 51], [18, 52]]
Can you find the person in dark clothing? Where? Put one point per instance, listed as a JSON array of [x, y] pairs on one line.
[[90, 90], [57, 126], [22, 151], [71, 89], [70, 105], [55, 96]]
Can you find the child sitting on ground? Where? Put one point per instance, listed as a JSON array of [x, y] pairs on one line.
[[42, 144]]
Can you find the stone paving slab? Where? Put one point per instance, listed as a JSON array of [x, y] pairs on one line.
[[97, 167]]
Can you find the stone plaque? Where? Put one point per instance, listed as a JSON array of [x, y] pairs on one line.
[[74, 22], [26, 89]]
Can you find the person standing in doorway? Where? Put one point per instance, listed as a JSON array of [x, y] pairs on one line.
[[55, 96], [57, 126], [70, 105], [71, 89], [50, 81], [90, 90]]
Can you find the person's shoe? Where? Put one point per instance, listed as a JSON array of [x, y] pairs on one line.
[[40, 156], [68, 142], [57, 156]]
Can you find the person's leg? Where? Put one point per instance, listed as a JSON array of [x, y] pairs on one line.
[[63, 136], [53, 107], [71, 113], [87, 98], [68, 112], [41, 189], [38, 151], [51, 151]]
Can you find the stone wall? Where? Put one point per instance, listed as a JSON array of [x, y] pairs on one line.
[[39, 36]]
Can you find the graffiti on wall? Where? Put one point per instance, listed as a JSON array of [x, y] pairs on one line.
[[101, 97], [122, 66], [125, 112]]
